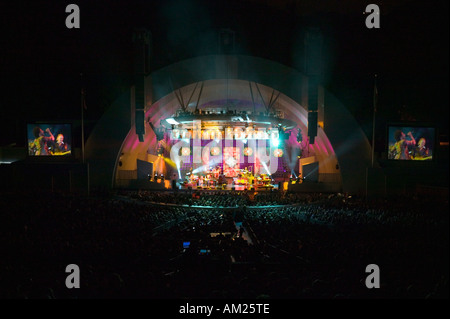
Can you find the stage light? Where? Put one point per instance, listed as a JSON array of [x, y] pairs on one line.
[[228, 133], [215, 150], [185, 134], [249, 131], [278, 152], [206, 134], [248, 151], [215, 134], [185, 151], [275, 142], [172, 121]]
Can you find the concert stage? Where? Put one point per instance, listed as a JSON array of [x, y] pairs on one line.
[[304, 187], [181, 185]]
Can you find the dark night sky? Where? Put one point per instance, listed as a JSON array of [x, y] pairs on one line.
[[41, 60]]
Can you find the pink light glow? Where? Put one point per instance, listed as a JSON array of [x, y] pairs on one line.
[[292, 111]]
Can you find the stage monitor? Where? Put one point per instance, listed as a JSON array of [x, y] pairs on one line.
[[410, 142], [46, 139]]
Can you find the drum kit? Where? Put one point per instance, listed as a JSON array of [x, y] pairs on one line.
[[264, 181]]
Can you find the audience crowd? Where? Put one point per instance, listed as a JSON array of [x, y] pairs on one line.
[[222, 198], [165, 245]]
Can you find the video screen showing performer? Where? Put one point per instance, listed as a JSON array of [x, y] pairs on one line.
[[410, 143], [49, 139]]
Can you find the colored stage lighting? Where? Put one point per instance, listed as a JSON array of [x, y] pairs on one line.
[[185, 151], [275, 142], [172, 121], [278, 152], [160, 150], [215, 150], [248, 151]]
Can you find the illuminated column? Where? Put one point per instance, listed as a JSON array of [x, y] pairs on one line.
[[197, 142]]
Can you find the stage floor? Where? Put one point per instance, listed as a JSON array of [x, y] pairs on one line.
[[230, 187], [167, 185]]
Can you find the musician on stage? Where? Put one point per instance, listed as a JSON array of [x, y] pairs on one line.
[[400, 150], [251, 179], [60, 147], [39, 145], [216, 172], [222, 180], [421, 151]]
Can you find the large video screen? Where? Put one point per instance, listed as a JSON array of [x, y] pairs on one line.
[[46, 139], [407, 142]]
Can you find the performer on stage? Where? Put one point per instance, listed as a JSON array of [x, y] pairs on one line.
[[222, 180], [400, 150], [216, 172], [421, 151], [39, 145], [60, 147], [251, 179]]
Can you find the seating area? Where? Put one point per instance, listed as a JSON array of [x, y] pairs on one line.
[[318, 248]]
